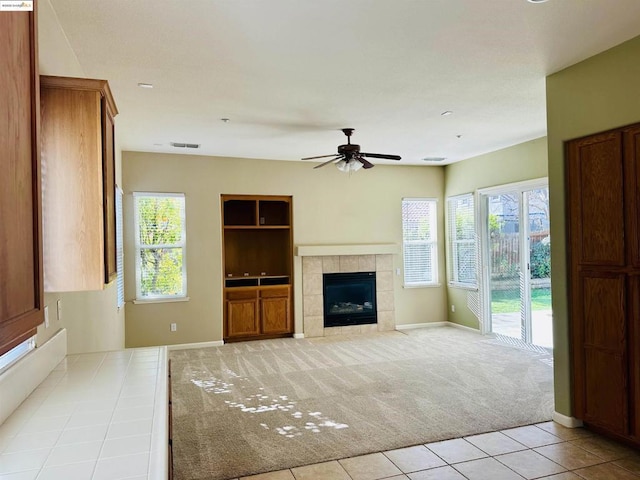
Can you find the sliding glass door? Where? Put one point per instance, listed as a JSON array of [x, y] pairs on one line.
[[516, 246]]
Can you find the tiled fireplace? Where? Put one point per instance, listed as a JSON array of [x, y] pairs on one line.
[[314, 266]]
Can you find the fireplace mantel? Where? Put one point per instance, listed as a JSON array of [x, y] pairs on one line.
[[349, 249]]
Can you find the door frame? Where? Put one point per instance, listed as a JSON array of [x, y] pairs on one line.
[[484, 277]]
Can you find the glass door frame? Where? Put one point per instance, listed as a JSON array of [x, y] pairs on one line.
[[524, 229]]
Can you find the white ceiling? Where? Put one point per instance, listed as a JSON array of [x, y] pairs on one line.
[[289, 74]]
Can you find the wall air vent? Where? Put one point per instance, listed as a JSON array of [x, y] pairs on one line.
[[185, 145]]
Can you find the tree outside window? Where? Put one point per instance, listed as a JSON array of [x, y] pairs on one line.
[[160, 245]]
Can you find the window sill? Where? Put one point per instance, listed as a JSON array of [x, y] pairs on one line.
[[160, 300], [425, 285], [463, 286]]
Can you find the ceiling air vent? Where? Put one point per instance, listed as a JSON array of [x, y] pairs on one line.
[[434, 159], [185, 145]]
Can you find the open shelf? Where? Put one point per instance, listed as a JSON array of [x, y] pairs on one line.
[[258, 266]]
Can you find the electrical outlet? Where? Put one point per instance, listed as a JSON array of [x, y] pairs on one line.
[[398, 271], [453, 308], [46, 316], [59, 306], [174, 327]]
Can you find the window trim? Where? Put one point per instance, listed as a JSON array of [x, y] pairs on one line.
[[183, 244], [433, 242], [119, 247], [451, 244]]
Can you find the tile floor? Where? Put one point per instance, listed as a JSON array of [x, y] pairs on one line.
[[92, 418], [544, 451]]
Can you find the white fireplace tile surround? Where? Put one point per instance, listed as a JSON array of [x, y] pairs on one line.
[[314, 266]]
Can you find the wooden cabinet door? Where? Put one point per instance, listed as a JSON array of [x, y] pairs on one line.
[[604, 253], [596, 200], [602, 362], [274, 315], [21, 292], [242, 317]]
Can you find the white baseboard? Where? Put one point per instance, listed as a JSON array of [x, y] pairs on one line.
[[21, 379], [569, 422], [463, 327], [188, 346], [298, 336], [411, 326]]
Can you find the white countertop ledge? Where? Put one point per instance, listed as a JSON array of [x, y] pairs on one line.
[[350, 249], [99, 416]]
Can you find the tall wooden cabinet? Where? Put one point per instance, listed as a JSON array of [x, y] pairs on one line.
[[603, 183], [21, 294], [78, 183], [258, 256]]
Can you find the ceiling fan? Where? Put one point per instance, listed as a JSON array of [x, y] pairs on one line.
[[349, 157]]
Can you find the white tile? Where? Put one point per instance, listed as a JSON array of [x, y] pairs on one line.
[[4, 441], [33, 441], [126, 446], [121, 467], [11, 427], [83, 435], [138, 401], [129, 414], [137, 391], [59, 410], [96, 406], [80, 452], [28, 475], [45, 424], [21, 461], [128, 429], [72, 471], [87, 419]]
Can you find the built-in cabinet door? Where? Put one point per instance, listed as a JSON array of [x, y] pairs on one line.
[[21, 293], [242, 317], [604, 358], [604, 271], [274, 315], [596, 182]]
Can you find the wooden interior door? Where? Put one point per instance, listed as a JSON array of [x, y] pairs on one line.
[[21, 292]]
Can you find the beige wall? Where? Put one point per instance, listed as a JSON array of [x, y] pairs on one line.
[[329, 207], [589, 97], [525, 161], [92, 319]]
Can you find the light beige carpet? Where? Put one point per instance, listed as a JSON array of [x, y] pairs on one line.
[[259, 406]]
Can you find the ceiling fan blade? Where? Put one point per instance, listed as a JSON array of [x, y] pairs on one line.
[[321, 156], [381, 155], [336, 157], [365, 163]]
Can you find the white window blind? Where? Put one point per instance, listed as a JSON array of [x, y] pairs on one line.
[[119, 248], [462, 240], [160, 246], [419, 241]]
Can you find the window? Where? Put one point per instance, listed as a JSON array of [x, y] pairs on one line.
[[462, 241], [16, 353], [419, 241], [119, 248], [160, 246]]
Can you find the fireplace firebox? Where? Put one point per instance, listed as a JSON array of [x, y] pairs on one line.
[[349, 298]]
